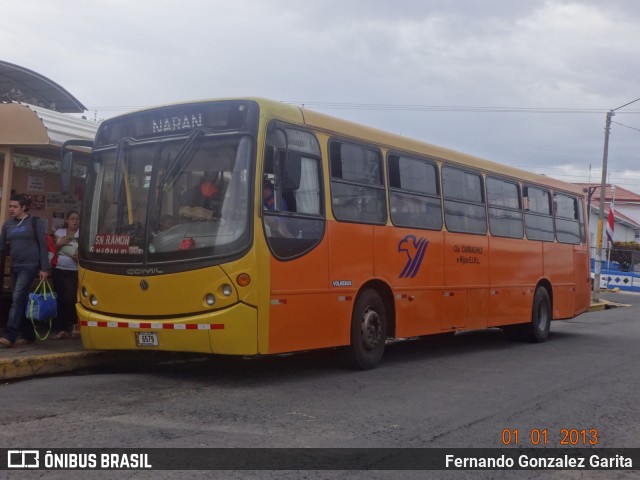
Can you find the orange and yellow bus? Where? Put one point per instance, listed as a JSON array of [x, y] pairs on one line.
[[252, 227]]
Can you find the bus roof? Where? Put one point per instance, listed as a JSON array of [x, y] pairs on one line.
[[270, 109], [409, 145], [345, 128]]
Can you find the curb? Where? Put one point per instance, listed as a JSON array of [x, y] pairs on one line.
[[605, 305], [22, 367], [25, 366], [597, 307]]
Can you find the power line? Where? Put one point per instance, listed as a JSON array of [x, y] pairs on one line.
[[627, 126], [448, 108], [445, 108], [409, 107]]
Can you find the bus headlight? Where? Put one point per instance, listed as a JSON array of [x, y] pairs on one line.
[[227, 290], [93, 300], [85, 292], [210, 298]]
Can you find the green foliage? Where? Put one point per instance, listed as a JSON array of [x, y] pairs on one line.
[[626, 246]]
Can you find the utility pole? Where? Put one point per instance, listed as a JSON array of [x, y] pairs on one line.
[[603, 192]]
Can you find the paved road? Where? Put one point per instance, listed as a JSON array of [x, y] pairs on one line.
[[460, 391]]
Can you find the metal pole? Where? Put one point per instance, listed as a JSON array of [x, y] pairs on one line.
[[610, 243], [603, 193]]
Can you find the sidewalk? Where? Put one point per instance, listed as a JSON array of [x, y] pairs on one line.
[[48, 357]]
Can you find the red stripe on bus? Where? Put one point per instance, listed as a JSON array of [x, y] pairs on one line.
[[165, 326]]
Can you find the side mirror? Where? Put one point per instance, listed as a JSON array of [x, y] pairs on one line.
[[67, 162]]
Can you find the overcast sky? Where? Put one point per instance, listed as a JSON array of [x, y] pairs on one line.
[[526, 83]]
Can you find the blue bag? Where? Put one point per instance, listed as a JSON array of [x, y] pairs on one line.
[[42, 306]]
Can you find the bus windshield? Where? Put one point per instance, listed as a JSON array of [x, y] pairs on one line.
[[175, 200]]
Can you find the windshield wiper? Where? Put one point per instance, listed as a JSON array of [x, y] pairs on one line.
[[121, 174], [122, 145], [177, 163]]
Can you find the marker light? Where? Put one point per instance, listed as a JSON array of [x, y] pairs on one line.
[[243, 279]]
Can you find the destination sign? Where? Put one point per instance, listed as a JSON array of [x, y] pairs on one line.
[[216, 116]]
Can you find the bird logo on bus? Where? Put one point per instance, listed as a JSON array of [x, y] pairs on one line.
[[415, 249]]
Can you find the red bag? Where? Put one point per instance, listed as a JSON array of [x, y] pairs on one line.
[[51, 248]]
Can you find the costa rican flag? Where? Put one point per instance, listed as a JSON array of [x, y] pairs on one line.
[[610, 224]]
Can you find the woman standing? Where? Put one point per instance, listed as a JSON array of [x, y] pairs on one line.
[[28, 251], [65, 276]]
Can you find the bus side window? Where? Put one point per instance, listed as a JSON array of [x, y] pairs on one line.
[[414, 196], [464, 206], [567, 216], [357, 184], [538, 218], [292, 193], [505, 214]]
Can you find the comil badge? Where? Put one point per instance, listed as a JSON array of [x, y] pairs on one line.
[[414, 248]]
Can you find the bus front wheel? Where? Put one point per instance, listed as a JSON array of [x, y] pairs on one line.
[[368, 331]]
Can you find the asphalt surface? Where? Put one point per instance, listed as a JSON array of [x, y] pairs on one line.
[[51, 356]]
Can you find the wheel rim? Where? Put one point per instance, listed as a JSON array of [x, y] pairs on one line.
[[371, 329]]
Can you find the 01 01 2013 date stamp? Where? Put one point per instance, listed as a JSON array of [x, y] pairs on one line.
[[563, 437]]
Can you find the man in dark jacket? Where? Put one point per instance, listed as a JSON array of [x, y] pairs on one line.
[[28, 250]]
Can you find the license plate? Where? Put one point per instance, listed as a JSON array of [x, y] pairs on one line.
[[147, 339]]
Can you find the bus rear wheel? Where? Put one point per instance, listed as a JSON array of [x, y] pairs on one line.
[[368, 331], [537, 330]]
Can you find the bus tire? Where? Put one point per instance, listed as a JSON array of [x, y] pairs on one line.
[[537, 330], [368, 331]]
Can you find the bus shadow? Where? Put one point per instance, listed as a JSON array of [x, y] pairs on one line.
[[255, 371]]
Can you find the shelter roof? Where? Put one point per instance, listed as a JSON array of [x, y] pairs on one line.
[[27, 125], [23, 85]]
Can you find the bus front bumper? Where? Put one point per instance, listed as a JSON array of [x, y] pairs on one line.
[[232, 331]]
